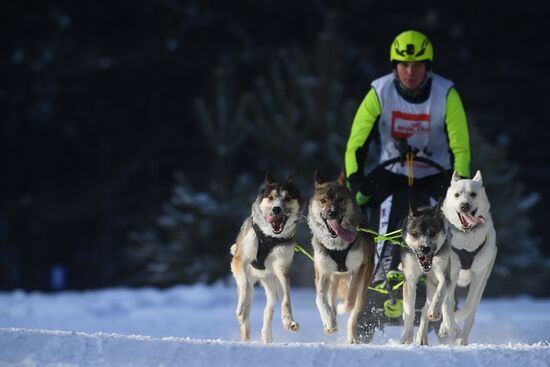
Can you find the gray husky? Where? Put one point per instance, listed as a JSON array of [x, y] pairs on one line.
[[263, 252], [343, 257], [426, 236], [467, 210]]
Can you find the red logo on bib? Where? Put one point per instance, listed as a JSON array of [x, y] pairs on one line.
[[405, 125]]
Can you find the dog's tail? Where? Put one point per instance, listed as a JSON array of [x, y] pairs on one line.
[[464, 278], [233, 249]]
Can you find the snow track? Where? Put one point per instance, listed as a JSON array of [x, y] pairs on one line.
[[50, 348], [196, 326]]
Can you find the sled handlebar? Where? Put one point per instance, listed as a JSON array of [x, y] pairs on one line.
[[416, 158]]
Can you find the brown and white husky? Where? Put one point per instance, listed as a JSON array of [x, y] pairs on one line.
[[343, 256]]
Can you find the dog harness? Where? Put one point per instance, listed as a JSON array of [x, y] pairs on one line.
[[340, 256], [467, 257], [265, 245]]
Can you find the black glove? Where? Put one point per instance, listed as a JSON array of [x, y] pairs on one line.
[[358, 189]]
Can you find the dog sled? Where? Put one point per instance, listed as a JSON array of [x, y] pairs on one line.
[[384, 300]]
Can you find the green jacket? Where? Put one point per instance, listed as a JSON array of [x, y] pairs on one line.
[[364, 128]]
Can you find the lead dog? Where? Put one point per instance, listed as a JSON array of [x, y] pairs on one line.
[[467, 209], [343, 257], [263, 252], [427, 252]]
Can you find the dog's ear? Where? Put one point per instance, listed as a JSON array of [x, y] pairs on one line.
[[412, 210], [455, 178], [478, 177], [317, 179], [437, 207], [268, 179], [342, 178], [290, 186]]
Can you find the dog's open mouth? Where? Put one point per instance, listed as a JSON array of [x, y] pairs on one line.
[[425, 262], [277, 222], [335, 229], [469, 220], [332, 224]]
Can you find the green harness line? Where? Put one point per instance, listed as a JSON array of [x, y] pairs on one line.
[[391, 237], [299, 248]]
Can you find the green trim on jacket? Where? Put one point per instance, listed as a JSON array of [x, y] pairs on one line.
[[457, 131], [367, 114]]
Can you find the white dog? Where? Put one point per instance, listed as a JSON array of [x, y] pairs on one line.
[[473, 244]]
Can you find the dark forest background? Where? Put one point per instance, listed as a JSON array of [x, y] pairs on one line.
[[134, 134]]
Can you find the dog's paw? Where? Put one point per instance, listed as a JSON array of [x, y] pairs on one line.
[[245, 333], [461, 342], [292, 326], [330, 328], [434, 316], [407, 337], [434, 313], [343, 307], [422, 339], [446, 331], [352, 340]]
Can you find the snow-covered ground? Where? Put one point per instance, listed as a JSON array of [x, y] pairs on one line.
[[195, 326]]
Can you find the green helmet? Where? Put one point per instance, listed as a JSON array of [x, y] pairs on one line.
[[411, 46]]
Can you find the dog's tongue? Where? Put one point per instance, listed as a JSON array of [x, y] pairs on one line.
[[472, 220], [345, 234], [276, 222]]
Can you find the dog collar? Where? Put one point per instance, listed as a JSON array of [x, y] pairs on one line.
[[467, 257], [340, 256], [265, 245]]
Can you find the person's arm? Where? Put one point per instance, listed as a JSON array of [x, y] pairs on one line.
[[457, 131], [360, 136]]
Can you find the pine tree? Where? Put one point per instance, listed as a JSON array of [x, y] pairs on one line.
[[190, 241]]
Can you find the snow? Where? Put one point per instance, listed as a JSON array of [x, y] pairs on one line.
[[196, 326]]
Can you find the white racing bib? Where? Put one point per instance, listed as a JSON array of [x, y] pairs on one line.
[[422, 125]]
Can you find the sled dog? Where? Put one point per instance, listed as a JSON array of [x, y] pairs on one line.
[[473, 249], [427, 251], [343, 256], [263, 252]]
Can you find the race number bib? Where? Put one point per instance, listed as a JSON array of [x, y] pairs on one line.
[[407, 125]]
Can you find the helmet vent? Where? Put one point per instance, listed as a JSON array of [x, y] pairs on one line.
[[411, 46]]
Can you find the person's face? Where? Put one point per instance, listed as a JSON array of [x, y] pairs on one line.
[[411, 74]]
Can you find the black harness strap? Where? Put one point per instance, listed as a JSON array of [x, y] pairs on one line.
[[467, 257], [340, 256], [265, 245]]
